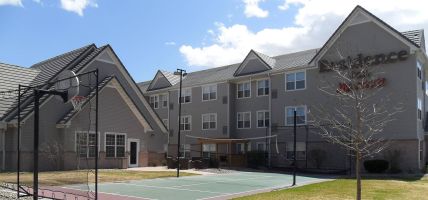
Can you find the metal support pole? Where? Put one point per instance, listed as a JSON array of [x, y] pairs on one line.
[[294, 148], [18, 151], [36, 146], [179, 125], [96, 134]]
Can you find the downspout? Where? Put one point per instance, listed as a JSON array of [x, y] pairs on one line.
[[270, 120], [3, 162], [169, 122]]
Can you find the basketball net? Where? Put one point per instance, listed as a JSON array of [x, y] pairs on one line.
[[77, 102]]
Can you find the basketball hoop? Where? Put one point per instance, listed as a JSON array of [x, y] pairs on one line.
[[77, 102]]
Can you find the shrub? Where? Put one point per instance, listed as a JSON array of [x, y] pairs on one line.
[[255, 159], [318, 156], [376, 166], [393, 158]]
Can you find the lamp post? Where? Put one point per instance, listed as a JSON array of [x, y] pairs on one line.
[[181, 73]]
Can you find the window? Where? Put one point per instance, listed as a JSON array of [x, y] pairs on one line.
[[186, 95], [85, 144], [300, 115], [165, 122], [300, 150], [240, 148], [164, 100], [209, 92], [419, 109], [419, 68], [115, 145], [186, 123], [261, 146], [244, 119], [154, 101], [262, 87], [209, 121], [208, 149], [295, 81], [185, 151], [262, 119], [421, 150], [244, 90]]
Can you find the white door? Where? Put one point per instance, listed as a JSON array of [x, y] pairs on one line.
[[134, 151]]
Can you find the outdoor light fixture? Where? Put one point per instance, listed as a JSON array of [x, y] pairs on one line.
[[181, 73]]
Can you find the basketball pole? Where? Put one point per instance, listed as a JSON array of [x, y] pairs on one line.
[[38, 93], [18, 164], [96, 135], [294, 148]]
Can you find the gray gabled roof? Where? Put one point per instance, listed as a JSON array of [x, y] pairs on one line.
[[10, 77]]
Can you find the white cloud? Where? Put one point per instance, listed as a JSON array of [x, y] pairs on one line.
[[252, 9], [314, 22], [77, 6], [11, 2], [170, 43]]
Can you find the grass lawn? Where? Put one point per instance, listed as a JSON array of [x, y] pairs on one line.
[[346, 188], [77, 177]]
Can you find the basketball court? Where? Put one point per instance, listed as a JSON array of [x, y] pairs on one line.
[[217, 186]]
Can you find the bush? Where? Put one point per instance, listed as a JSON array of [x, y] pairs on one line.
[[255, 159], [318, 156], [376, 166], [393, 158]]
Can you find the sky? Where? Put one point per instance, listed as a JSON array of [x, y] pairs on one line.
[[148, 35]]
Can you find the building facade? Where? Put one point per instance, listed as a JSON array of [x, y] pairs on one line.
[[225, 108]]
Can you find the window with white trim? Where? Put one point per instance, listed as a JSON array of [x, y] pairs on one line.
[[419, 70], [85, 144], [186, 123], [209, 121], [165, 122], [208, 149], [243, 90], [209, 92], [164, 100], [263, 87], [263, 119], [240, 148], [261, 146], [154, 101], [419, 109], [300, 150], [115, 145], [185, 151], [186, 95], [243, 120], [300, 115], [295, 81]]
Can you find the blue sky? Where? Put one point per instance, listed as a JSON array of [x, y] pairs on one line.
[[161, 34]]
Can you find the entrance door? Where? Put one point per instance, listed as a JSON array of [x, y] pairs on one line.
[[134, 149]]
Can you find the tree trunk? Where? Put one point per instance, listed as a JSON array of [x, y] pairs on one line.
[[358, 175]]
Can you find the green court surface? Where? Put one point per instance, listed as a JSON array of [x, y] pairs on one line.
[[218, 186]]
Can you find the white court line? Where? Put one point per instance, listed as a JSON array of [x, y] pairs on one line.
[[122, 195], [220, 181], [172, 188]]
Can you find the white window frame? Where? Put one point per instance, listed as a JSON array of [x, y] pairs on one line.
[[264, 118], [419, 109], [161, 101], [115, 143], [240, 150], [297, 143], [210, 86], [243, 118], [262, 143], [155, 97], [183, 91], [294, 72], [419, 70], [209, 121], [210, 151], [237, 90], [266, 86], [295, 107], [185, 149], [166, 123], [421, 150], [190, 122], [87, 143]]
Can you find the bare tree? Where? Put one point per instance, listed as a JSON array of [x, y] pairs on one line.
[[360, 112]]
